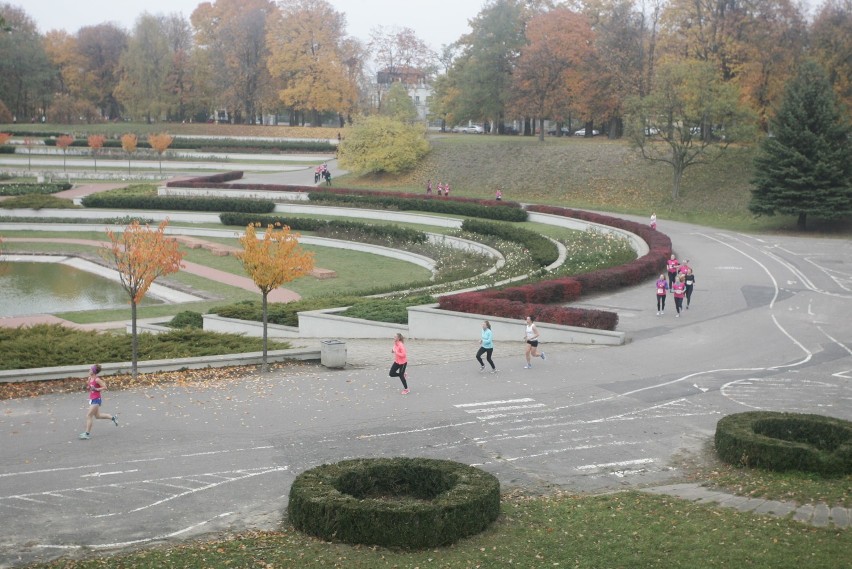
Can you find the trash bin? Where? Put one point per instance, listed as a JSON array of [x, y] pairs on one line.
[[333, 353]]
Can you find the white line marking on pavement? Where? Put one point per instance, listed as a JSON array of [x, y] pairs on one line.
[[572, 448], [98, 474], [507, 408], [524, 400], [416, 430], [65, 469], [225, 451], [613, 464]]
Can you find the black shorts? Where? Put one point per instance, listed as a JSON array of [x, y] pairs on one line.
[[533, 343]]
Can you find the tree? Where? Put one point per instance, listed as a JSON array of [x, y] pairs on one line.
[[550, 66], [29, 142], [141, 255], [234, 32], [63, 142], [144, 67], [307, 54], [4, 138], [100, 48], [831, 41], [398, 105], [400, 56], [689, 118], [160, 142], [378, 144], [27, 74], [128, 143], [271, 261], [96, 142], [805, 167]]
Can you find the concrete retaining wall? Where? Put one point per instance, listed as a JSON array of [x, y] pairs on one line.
[[428, 323], [216, 323], [328, 324]]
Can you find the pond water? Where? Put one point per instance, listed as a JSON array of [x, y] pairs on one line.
[[48, 288]]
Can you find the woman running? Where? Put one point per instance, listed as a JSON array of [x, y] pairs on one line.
[[486, 346], [662, 289], [400, 362], [95, 385], [672, 266], [531, 338], [689, 281], [678, 289]]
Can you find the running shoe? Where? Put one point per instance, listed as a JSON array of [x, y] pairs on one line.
[[481, 369], [404, 391], [528, 366], [114, 420], [543, 356], [494, 371], [85, 436]]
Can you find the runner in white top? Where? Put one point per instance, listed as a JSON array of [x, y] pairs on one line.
[[531, 338]]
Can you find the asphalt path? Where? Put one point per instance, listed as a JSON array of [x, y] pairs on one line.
[[770, 327]]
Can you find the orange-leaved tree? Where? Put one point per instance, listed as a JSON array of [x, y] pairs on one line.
[[63, 142], [4, 138], [29, 143], [141, 254], [128, 143], [271, 261], [96, 142], [160, 142]]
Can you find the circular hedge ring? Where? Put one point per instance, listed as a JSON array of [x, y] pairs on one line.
[[403, 502], [786, 441]]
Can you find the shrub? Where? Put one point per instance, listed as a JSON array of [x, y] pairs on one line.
[[378, 144], [394, 502], [542, 250], [26, 189], [37, 201], [392, 310], [786, 441], [391, 232], [187, 319], [284, 314], [177, 203]]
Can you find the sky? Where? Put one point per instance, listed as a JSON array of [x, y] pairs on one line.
[[436, 22]]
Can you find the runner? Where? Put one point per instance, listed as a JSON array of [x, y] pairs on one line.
[[672, 266], [400, 362], [678, 289], [486, 346], [662, 289], [654, 220], [531, 338], [689, 281], [95, 385]]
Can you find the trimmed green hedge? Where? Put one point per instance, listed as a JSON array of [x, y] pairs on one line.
[[392, 232], [216, 144], [786, 441], [434, 205], [541, 249], [26, 189], [413, 503], [177, 203], [282, 313]]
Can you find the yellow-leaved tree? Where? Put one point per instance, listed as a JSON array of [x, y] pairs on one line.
[[128, 143], [141, 254], [160, 142], [271, 261]]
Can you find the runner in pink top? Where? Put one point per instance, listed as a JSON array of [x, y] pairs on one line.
[[684, 267], [679, 291], [672, 266], [400, 362], [95, 385], [662, 290]]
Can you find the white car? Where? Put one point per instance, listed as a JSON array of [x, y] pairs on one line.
[[582, 132], [472, 129]]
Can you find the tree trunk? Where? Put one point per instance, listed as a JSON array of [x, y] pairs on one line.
[[527, 127], [134, 339], [541, 129], [263, 364], [677, 170], [801, 221]]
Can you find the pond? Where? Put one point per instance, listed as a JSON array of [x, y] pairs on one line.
[[52, 287]]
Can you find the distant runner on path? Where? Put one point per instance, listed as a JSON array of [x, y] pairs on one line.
[[95, 385], [400, 362]]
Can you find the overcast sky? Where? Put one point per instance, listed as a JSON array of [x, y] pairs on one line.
[[436, 22]]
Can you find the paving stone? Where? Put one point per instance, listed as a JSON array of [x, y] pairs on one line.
[[751, 504], [821, 515], [775, 508], [804, 513], [840, 517]]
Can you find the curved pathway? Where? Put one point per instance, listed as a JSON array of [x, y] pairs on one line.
[[768, 328]]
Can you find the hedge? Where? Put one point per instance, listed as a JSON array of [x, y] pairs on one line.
[[423, 203], [412, 503], [177, 203], [392, 232], [211, 144], [542, 250], [282, 313], [26, 189], [786, 442]]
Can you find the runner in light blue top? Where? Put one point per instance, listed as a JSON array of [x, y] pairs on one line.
[[486, 346]]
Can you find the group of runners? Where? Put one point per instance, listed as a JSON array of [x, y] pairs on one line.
[[322, 172], [679, 283], [441, 189]]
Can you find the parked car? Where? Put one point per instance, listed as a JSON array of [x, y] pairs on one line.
[[565, 132], [471, 129], [582, 132]]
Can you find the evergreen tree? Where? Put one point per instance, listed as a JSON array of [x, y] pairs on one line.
[[805, 166]]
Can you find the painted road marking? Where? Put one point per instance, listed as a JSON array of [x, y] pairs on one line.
[[98, 474]]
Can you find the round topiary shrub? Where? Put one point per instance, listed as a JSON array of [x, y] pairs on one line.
[[403, 502], [786, 441], [187, 319]]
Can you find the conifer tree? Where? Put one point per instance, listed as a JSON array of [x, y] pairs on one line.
[[805, 166]]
